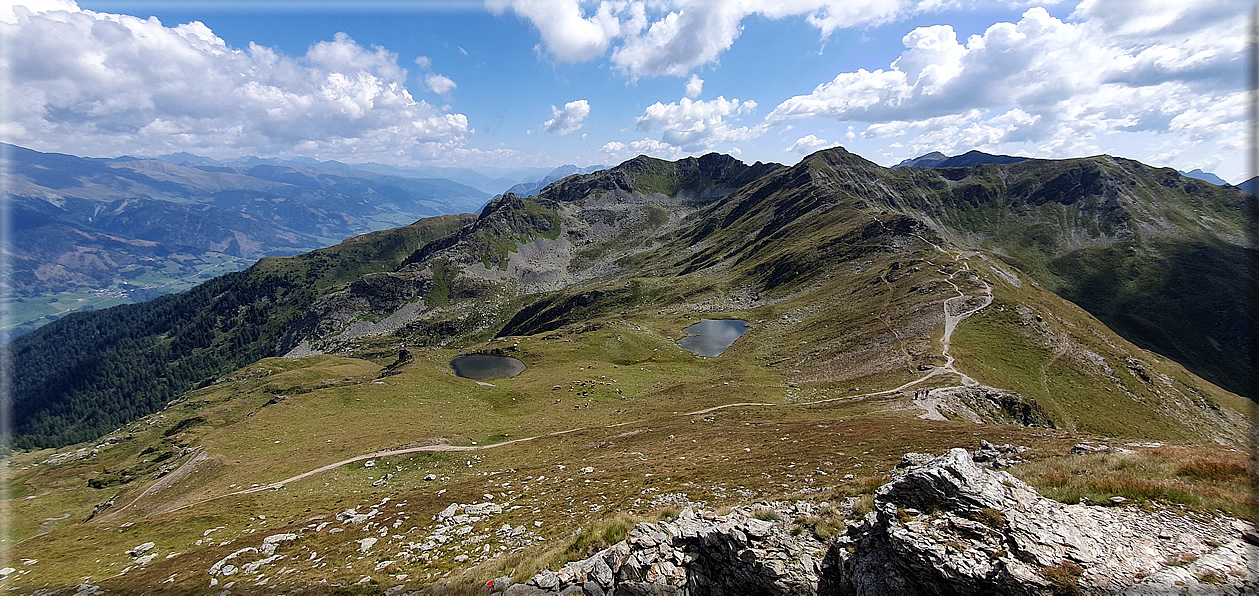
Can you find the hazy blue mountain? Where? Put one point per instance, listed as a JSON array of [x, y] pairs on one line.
[[97, 232], [529, 188], [935, 159], [1205, 177], [923, 161], [1251, 186]]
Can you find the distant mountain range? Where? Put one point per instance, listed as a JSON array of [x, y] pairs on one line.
[[95, 232], [935, 159], [1251, 185], [1205, 177], [489, 180], [850, 263], [529, 188]]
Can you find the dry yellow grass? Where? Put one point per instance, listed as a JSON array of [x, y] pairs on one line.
[[1206, 479]]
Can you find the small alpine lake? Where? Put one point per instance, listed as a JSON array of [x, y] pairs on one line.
[[483, 367], [711, 337]]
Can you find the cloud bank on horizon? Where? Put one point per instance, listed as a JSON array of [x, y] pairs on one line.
[[1157, 80]]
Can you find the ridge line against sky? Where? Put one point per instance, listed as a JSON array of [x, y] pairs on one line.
[[514, 83]]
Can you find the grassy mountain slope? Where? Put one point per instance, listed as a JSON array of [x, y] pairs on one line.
[[92, 372], [875, 329], [1161, 258], [869, 255]]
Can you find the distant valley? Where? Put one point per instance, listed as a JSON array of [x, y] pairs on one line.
[[92, 233]]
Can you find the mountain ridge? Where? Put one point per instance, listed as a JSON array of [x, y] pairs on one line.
[[530, 265], [1204, 176], [883, 318], [974, 157], [529, 188]]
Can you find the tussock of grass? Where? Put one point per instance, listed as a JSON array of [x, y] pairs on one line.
[[1210, 577], [598, 536], [457, 588], [865, 485], [990, 517], [1065, 578], [864, 505], [826, 524], [1213, 470], [1202, 479], [590, 540], [768, 515]]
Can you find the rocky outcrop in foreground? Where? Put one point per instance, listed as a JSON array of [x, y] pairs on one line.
[[697, 554], [949, 526], [944, 525]]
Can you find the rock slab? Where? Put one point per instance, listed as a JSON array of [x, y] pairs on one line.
[[950, 526], [944, 525], [732, 554]]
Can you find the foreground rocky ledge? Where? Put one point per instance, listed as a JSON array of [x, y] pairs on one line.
[[944, 525]]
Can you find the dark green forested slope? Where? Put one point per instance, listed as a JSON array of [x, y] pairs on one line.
[[89, 373]]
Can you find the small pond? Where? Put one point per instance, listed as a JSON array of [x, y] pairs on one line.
[[711, 337], [481, 367]]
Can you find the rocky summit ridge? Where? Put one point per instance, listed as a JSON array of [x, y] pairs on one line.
[[944, 525]]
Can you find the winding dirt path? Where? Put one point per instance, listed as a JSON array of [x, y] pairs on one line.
[[379, 454], [183, 471], [740, 405], [951, 321], [952, 317]]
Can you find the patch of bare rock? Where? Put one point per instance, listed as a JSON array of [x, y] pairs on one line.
[[944, 525], [696, 554], [951, 526]]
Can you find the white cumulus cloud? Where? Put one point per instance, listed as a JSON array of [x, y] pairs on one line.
[[1161, 69], [672, 37], [694, 86], [618, 151], [808, 144], [568, 119], [568, 33], [97, 83], [698, 124], [439, 84]]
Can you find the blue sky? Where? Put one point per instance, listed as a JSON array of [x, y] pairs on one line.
[[506, 83]]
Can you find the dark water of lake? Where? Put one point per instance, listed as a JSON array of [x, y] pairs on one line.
[[481, 367], [711, 337]]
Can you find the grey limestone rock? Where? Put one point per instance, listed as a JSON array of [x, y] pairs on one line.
[[731, 554], [985, 532], [944, 525]]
